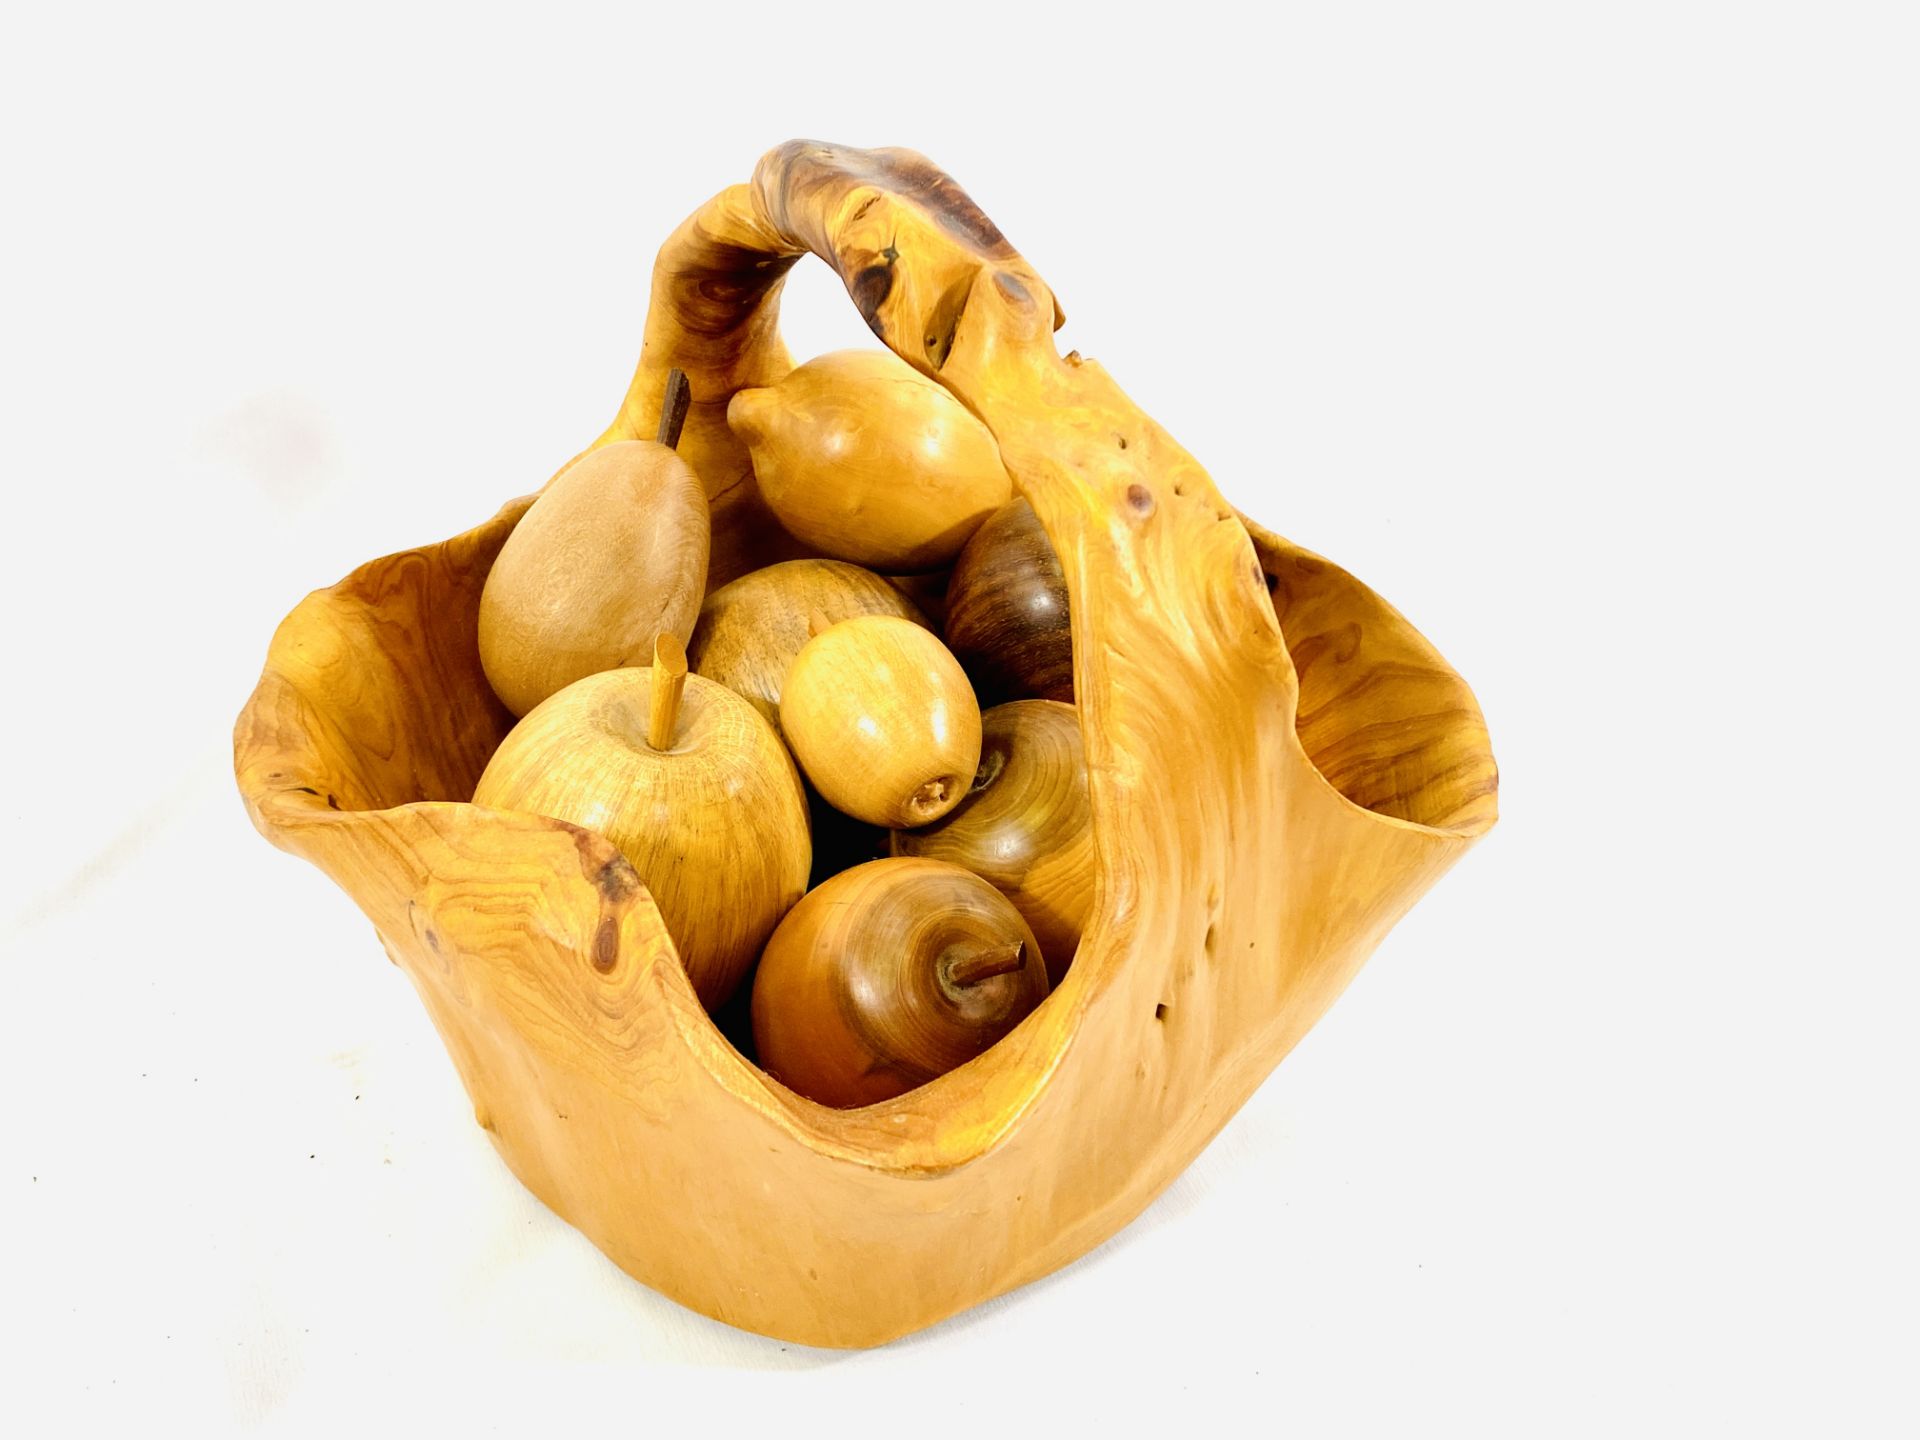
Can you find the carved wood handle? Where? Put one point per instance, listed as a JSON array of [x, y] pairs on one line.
[[1148, 545]]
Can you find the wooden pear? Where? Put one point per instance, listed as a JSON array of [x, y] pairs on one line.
[[612, 553], [882, 719], [693, 787], [865, 459], [888, 975]]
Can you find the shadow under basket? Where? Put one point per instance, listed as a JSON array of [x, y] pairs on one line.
[[1279, 767]]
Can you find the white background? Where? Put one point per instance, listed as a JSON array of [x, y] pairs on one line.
[[1586, 334]]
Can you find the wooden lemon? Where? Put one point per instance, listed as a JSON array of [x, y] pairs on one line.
[[883, 720], [863, 458]]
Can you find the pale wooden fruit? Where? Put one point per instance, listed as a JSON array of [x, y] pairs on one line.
[[1025, 823], [889, 975], [863, 458], [700, 798], [751, 629], [882, 719], [1279, 767], [613, 552]]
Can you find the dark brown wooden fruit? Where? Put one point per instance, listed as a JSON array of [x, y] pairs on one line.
[[1007, 618], [888, 975], [1025, 825]]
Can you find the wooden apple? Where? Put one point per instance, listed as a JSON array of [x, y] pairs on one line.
[[1007, 618], [888, 975], [882, 719], [1026, 824], [751, 629], [691, 784]]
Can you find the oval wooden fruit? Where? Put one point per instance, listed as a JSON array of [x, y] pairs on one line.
[[888, 975], [751, 629], [1008, 619], [1279, 766], [713, 820], [1025, 824], [864, 459], [883, 721], [613, 552]]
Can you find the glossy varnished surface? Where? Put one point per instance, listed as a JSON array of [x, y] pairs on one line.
[[883, 721], [750, 630], [1238, 889], [888, 976], [1008, 619], [862, 458], [1025, 823]]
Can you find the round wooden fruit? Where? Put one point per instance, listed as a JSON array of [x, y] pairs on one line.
[[888, 975], [1025, 825], [700, 797], [1007, 618], [865, 459], [613, 552], [751, 629], [883, 720]]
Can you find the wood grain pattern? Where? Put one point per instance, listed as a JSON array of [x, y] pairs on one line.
[[864, 459], [712, 817], [750, 630], [882, 719], [888, 976], [1025, 823], [1238, 888], [613, 552], [1008, 617]]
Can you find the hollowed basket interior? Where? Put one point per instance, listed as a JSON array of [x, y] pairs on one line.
[[1383, 718]]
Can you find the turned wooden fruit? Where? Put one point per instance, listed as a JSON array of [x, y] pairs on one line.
[[888, 975], [694, 788], [1025, 824], [865, 459], [751, 629], [613, 552], [1007, 614], [1280, 765], [882, 719]]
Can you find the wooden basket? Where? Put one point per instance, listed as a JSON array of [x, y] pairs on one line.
[[1279, 766]]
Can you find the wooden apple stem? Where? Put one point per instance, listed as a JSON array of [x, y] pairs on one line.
[[983, 964], [673, 408], [669, 679], [816, 622]]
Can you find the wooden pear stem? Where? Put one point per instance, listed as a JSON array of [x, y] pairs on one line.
[[669, 679], [983, 964], [673, 408]]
